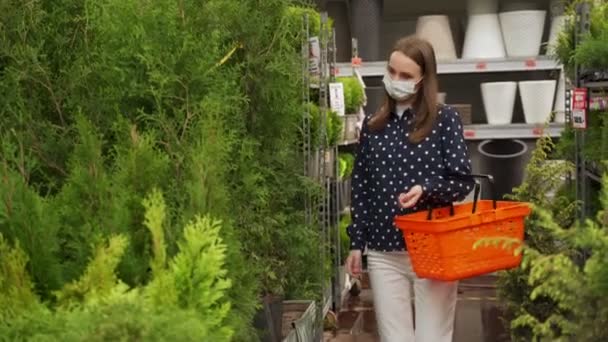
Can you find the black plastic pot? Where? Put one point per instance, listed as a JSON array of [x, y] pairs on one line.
[[505, 160]]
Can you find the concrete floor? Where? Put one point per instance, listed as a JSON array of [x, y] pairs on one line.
[[477, 315]]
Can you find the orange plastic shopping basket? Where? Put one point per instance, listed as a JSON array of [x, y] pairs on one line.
[[440, 241]]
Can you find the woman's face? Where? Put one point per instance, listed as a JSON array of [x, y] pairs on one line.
[[402, 68]]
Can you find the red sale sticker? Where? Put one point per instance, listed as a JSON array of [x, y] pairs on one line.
[[481, 66], [530, 63], [579, 98]]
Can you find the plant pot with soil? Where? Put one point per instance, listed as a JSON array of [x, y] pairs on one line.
[[300, 321]]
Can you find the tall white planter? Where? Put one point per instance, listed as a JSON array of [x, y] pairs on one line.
[[482, 7], [483, 38], [537, 100], [498, 101], [436, 30], [560, 100], [557, 25], [522, 32]]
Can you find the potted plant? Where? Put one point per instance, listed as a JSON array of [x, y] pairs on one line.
[[591, 54], [354, 98]]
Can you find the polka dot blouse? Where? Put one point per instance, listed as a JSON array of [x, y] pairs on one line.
[[388, 164]]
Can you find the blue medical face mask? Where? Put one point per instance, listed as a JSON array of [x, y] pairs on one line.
[[399, 90]]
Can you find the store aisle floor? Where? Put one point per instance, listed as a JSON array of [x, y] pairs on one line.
[[477, 315]]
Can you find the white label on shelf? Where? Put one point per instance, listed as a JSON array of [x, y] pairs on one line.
[[336, 97], [579, 118]]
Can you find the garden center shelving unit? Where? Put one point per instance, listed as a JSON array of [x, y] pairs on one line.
[[461, 76], [584, 171], [321, 164], [480, 131]]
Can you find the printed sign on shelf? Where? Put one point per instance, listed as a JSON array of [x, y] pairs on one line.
[[336, 98], [579, 108]]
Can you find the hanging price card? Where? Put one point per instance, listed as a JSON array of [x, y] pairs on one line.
[[579, 108], [336, 97]]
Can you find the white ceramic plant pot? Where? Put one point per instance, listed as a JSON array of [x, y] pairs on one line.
[[560, 100], [537, 100], [498, 101], [557, 7], [483, 38], [436, 30], [482, 7], [557, 25], [511, 6], [522, 32]]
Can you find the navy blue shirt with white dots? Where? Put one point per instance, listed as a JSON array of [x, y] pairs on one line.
[[388, 164]]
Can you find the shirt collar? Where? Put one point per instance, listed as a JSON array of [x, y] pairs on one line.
[[401, 111]]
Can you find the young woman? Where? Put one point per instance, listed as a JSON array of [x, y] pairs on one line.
[[410, 154]]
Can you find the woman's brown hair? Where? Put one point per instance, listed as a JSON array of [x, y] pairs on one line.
[[425, 104]]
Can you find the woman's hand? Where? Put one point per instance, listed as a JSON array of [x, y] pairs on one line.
[[409, 199], [353, 263]]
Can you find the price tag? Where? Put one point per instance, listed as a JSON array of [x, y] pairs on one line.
[[481, 66], [579, 118], [537, 131], [579, 108], [530, 63], [469, 133]]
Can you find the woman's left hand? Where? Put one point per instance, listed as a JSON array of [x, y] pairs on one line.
[[409, 199]]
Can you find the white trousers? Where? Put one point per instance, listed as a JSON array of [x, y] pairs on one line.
[[392, 278]]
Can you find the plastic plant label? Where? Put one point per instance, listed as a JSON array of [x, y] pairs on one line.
[[579, 108], [336, 98], [314, 49]]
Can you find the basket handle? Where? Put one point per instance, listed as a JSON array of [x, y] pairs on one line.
[[477, 190], [490, 180]]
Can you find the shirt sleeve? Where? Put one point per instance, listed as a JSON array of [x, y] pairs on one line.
[[448, 186], [359, 207]]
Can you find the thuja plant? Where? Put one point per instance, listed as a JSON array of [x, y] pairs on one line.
[[187, 297], [574, 278], [544, 186], [102, 101], [559, 292], [591, 51]]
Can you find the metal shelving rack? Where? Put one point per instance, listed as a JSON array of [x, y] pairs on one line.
[[320, 209], [511, 131], [584, 174], [584, 170], [462, 66]]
